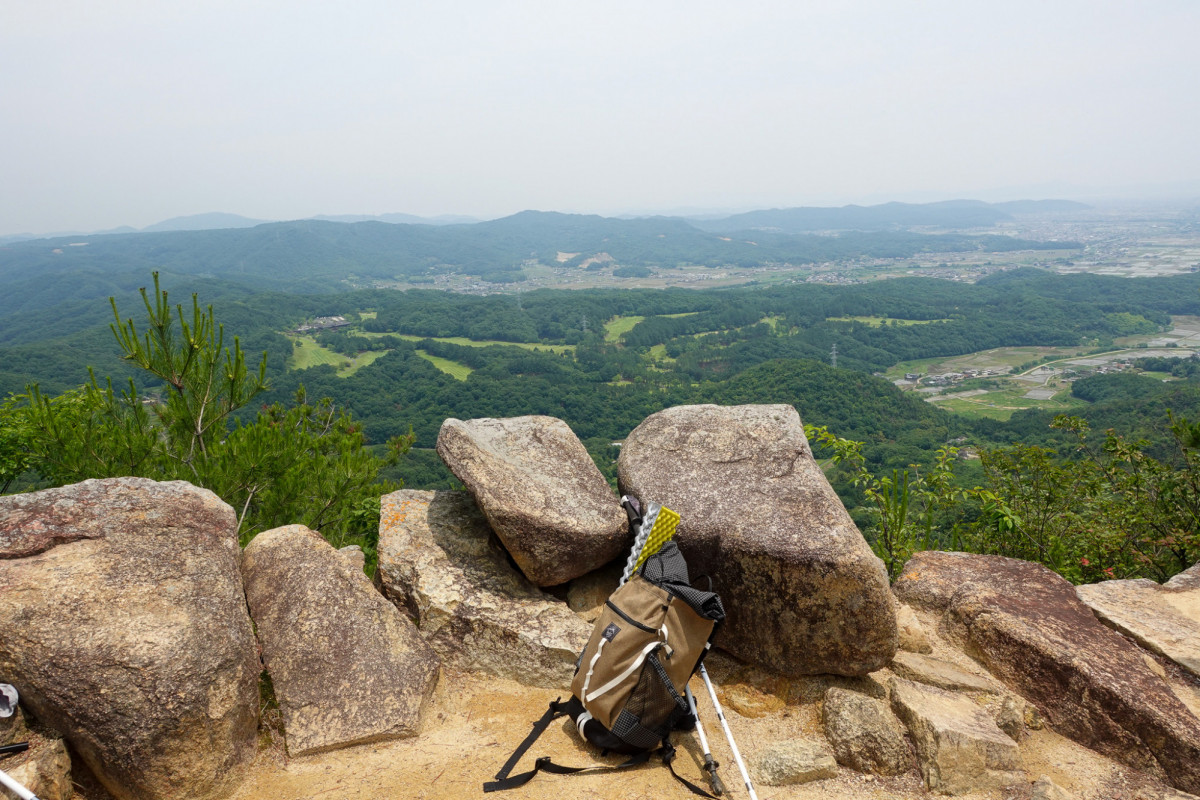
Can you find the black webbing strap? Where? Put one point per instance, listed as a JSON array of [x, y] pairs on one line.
[[668, 755], [557, 709]]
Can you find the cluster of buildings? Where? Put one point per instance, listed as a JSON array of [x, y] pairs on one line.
[[322, 324]]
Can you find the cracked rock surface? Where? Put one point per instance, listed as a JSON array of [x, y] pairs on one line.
[[804, 593]]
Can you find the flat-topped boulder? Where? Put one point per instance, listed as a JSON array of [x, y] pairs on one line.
[[1031, 631], [940, 673], [1162, 619], [960, 749], [440, 562], [804, 593], [347, 666], [123, 626], [540, 491]]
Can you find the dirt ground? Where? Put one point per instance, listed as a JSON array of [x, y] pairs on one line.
[[474, 722]]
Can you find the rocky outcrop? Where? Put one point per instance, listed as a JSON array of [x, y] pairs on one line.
[[864, 733], [347, 667], [959, 748], [1162, 619], [940, 673], [797, 761], [804, 593], [439, 562], [1031, 631], [541, 493], [123, 625]]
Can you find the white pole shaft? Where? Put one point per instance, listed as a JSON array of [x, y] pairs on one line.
[[16, 788], [691, 698], [712, 693]]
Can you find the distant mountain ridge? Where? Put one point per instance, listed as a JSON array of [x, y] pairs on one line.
[[950, 214], [318, 256]]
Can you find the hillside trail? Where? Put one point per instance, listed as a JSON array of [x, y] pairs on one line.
[[474, 722]]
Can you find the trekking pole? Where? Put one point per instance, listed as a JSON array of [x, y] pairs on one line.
[[643, 547], [712, 693], [710, 764]]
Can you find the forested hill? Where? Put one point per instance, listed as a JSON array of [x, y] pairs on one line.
[[603, 360], [313, 255]]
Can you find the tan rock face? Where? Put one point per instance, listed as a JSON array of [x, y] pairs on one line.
[[540, 491], [803, 591], [1031, 631], [864, 733], [912, 635], [789, 763], [347, 666], [1161, 619], [939, 673], [959, 747], [123, 625], [439, 561]]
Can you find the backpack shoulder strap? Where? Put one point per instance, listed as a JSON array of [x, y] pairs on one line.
[[557, 709]]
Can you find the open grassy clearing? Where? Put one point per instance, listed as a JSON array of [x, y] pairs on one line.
[[619, 325], [997, 358], [307, 353], [368, 314], [1001, 404], [877, 322], [552, 348], [658, 354], [452, 368]]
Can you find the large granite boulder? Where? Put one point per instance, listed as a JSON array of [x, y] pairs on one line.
[[803, 591], [959, 747], [347, 666], [1030, 630], [540, 491], [123, 626], [1163, 619], [439, 561]]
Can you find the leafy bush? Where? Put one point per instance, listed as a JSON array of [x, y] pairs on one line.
[[301, 463]]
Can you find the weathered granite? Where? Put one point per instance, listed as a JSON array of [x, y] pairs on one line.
[[439, 561], [347, 666], [541, 493], [804, 592], [123, 626]]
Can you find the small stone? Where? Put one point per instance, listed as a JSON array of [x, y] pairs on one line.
[[1010, 717], [353, 555], [1046, 789], [789, 763]]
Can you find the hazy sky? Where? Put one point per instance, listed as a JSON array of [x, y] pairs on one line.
[[127, 113]]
